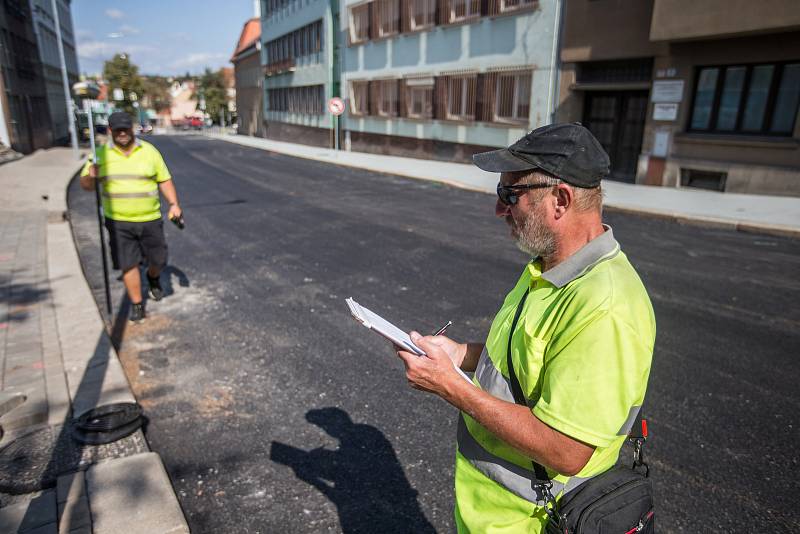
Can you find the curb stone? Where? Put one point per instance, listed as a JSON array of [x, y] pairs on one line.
[[323, 155]]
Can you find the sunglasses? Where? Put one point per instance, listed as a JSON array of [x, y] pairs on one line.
[[508, 193]]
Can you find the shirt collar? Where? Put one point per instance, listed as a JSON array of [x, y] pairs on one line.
[[136, 144], [601, 248]]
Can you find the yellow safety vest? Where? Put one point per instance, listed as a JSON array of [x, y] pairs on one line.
[[130, 182], [581, 352]]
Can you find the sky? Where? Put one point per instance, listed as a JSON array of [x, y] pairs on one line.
[[167, 37]]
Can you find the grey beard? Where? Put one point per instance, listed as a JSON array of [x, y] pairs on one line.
[[535, 239]]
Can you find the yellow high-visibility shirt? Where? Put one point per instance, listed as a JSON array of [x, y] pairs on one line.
[[581, 351], [130, 182]]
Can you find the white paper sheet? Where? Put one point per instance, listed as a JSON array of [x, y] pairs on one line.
[[381, 326]]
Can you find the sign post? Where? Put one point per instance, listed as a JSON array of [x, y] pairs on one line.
[[89, 92], [336, 107]]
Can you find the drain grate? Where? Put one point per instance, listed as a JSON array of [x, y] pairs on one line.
[[34, 461]]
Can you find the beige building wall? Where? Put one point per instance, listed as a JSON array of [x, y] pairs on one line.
[[753, 164], [249, 95], [681, 36], [675, 20], [612, 29]]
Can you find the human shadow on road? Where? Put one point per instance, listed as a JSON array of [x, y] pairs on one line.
[[362, 477], [166, 279]]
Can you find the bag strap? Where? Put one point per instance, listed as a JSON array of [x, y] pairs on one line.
[[516, 389]]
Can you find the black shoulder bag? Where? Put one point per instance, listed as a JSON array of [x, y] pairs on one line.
[[619, 500]]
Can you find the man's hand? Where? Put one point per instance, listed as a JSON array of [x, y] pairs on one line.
[[433, 373], [88, 182], [175, 211], [454, 350]]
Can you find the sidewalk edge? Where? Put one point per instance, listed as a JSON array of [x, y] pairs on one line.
[[77, 268], [681, 218]]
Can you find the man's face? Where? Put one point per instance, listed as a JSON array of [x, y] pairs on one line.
[[123, 137], [528, 219]]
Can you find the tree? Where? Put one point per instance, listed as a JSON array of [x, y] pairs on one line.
[[156, 93], [122, 74], [210, 91]]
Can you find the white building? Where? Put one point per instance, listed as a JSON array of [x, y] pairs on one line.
[[444, 79]]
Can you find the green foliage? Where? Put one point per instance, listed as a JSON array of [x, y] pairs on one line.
[[122, 74], [156, 92], [210, 89]]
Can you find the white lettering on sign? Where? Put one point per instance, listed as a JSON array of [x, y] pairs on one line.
[[667, 91], [665, 112]]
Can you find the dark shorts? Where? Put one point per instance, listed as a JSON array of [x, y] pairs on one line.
[[132, 242]]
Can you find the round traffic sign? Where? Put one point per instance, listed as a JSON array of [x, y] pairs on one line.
[[336, 105]]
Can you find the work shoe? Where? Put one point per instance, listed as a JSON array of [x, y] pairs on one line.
[[137, 313], [155, 288]]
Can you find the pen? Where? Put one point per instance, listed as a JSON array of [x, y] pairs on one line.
[[442, 329]]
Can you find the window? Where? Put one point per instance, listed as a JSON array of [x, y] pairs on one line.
[[746, 99], [421, 13], [419, 98], [387, 17], [301, 43], [359, 23], [464, 9], [359, 98], [302, 100], [786, 100], [513, 100], [510, 5], [386, 97], [461, 97]]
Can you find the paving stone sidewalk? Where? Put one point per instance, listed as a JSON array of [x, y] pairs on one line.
[[54, 351]]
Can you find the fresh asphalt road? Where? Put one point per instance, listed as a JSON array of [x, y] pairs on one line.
[[275, 412]]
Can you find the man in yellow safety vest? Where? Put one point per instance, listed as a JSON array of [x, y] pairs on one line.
[[563, 371], [131, 174]]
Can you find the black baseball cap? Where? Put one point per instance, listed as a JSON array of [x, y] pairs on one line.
[[568, 151], [119, 120]]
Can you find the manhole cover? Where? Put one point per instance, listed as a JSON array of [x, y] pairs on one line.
[[34, 461]]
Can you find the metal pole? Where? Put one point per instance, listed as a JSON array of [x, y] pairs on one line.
[[65, 79], [336, 132], [87, 105]]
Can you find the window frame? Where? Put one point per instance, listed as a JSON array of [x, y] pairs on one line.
[[779, 68], [453, 19], [465, 79], [381, 100], [523, 4], [429, 14], [354, 39], [517, 75], [355, 109], [413, 86], [391, 10]]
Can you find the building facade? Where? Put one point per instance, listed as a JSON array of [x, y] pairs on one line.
[[249, 76], [24, 111], [299, 51], [444, 79], [44, 22], [688, 94]]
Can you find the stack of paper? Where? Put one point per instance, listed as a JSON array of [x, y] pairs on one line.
[[381, 326]]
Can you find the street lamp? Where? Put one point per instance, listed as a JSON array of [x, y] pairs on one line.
[[65, 79], [88, 91]]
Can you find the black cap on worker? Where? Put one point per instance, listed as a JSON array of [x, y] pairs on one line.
[[567, 151], [119, 120]]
